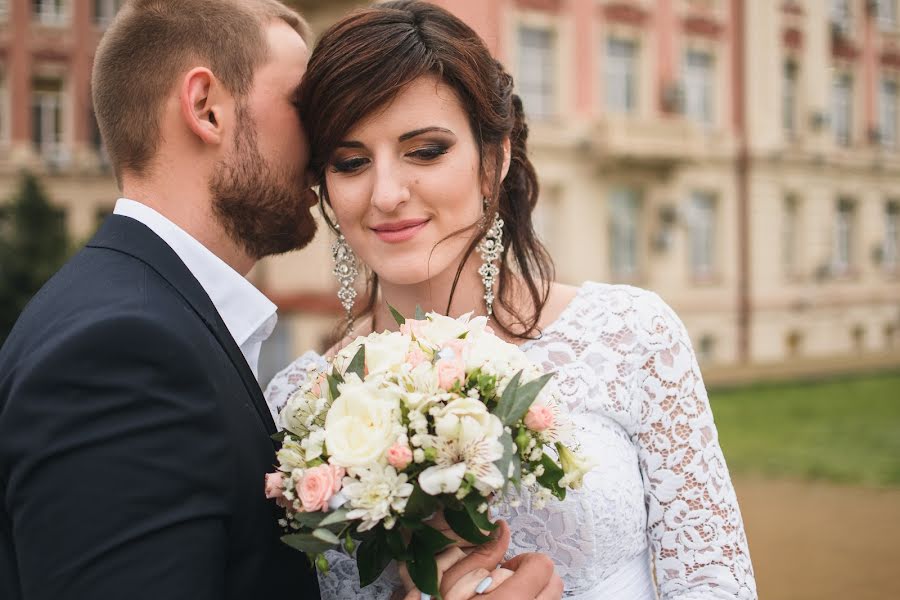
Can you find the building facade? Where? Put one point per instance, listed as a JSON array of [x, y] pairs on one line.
[[739, 157]]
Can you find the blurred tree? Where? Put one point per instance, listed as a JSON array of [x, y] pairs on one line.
[[34, 244]]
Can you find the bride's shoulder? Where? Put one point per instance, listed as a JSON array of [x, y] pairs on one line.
[[618, 306]]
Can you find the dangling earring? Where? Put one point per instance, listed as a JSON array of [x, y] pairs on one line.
[[345, 269], [490, 248]]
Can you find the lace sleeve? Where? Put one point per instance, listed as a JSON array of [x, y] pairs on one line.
[[342, 581], [289, 379], [694, 523]]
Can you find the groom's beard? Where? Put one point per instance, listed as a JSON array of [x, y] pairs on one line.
[[260, 208]]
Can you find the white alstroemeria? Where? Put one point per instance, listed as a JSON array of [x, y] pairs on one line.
[[439, 329], [315, 444], [291, 454], [575, 466], [442, 479], [362, 424], [466, 420], [375, 492]]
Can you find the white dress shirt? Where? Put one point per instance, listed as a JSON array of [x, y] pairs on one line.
[[248, 314]]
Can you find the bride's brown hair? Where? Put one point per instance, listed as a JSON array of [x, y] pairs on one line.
[[362, 62]]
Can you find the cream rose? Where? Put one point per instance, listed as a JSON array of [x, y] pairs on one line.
[[467, 420], [385, 351], [440, 329], [362, 424]]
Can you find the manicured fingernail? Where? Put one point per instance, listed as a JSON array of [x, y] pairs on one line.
[[484, 585], [426, 596]]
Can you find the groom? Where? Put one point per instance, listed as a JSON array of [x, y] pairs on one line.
[[133, 434]]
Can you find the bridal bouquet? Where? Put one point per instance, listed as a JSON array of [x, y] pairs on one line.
[[440, 415]]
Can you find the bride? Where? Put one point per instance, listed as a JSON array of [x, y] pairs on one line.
[[420, 151]]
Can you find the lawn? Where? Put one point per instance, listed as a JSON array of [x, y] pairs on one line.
[[845, 431]]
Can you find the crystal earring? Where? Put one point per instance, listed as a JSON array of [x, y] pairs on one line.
[[490, 248], [346, 271]]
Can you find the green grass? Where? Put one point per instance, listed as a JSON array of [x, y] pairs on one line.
[[845, 431]]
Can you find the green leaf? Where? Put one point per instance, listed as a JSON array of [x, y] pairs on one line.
[[420, 314], [397, 545], [372, 556], [279, 437], [472, 502], [462, 524], [397, 316], [358, 364], [423, 568], [431, 540], [522, 399], [335, 517], [505, 404], [419, 506], [311, 520], [327, 536], [307, 542], [334, 380], [552, 474]]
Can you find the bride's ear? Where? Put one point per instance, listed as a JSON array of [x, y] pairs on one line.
[[202, 105]]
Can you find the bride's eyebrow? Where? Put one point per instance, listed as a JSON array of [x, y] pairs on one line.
[[350, 144], [417, 132]]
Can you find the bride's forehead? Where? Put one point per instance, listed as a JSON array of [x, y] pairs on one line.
[[427, 101]]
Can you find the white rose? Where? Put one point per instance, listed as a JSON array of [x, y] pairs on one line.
[[440, 329], [442, 480], [362, 423], [467, 420], [385, 351], [486, 348]]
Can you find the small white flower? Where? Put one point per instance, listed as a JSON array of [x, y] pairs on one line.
[[419, 455]]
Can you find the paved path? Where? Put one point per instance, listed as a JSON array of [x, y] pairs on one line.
[[822, 541]]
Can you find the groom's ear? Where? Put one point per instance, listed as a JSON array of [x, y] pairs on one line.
[[201, 100]]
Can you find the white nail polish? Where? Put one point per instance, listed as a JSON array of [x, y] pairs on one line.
[[484, 585], [426, 596]]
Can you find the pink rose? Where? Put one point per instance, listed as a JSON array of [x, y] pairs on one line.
[[274, 485], [450, 372], [415, 357], [399, 456], [317, 487], [457, 346], [539, 418]]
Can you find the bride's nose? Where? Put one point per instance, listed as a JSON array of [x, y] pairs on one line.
[[389, 191]]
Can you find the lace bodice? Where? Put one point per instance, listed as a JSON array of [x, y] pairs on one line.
[[661, 492]]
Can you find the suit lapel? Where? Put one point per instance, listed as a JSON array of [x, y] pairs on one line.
[[132, 237]]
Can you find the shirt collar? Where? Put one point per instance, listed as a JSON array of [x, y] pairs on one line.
[[248, 314]]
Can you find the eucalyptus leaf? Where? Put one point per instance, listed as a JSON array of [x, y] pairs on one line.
[[311, 520], [358, 364], [420, 314], [337, 516], [509, 450], [462, 524], [505, 404], [326, 536], [524, 398], [307, 542], [372, 556], [397, 316]]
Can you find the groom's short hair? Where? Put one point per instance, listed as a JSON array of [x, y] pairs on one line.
[[151, 42]]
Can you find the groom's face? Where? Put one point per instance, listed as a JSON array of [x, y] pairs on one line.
[[260, 190]]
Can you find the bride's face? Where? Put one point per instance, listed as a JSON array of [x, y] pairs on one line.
[[406, 178]]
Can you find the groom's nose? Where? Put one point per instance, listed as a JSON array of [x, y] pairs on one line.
[[388, 190]]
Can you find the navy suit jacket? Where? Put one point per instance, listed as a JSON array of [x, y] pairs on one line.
[[134, 440]]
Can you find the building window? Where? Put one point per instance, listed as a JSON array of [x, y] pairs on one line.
[[698, 87], [105, 10], [789, 99], [789, 237], [624, 219], [49, 12], [842, 16], [621, 75], [794, 344], [844, 236], [706, 349], [887, 108], [886, 11], [702, 226], [891, 248], [842, 108], [4, 8], [537, 69], [47, 118]]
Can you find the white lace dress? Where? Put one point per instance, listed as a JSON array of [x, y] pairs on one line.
[[658, 517]]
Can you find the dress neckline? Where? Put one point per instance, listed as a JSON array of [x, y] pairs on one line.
[[561, 318]]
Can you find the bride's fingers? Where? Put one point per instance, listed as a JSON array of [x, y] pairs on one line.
[[498, 576], [469, 585], [448, 558]]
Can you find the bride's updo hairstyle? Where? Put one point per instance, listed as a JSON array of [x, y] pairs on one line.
[[365, 60]]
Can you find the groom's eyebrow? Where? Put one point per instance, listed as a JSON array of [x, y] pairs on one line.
[[411, 134]]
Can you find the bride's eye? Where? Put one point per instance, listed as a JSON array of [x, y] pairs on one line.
[[428, 153], [349, 165]]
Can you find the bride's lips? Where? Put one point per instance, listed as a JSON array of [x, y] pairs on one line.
[[399, 231]]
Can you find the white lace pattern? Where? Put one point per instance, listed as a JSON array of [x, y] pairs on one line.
[[625, 365]]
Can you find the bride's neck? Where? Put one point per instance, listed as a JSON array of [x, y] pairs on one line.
[[431, 295]]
